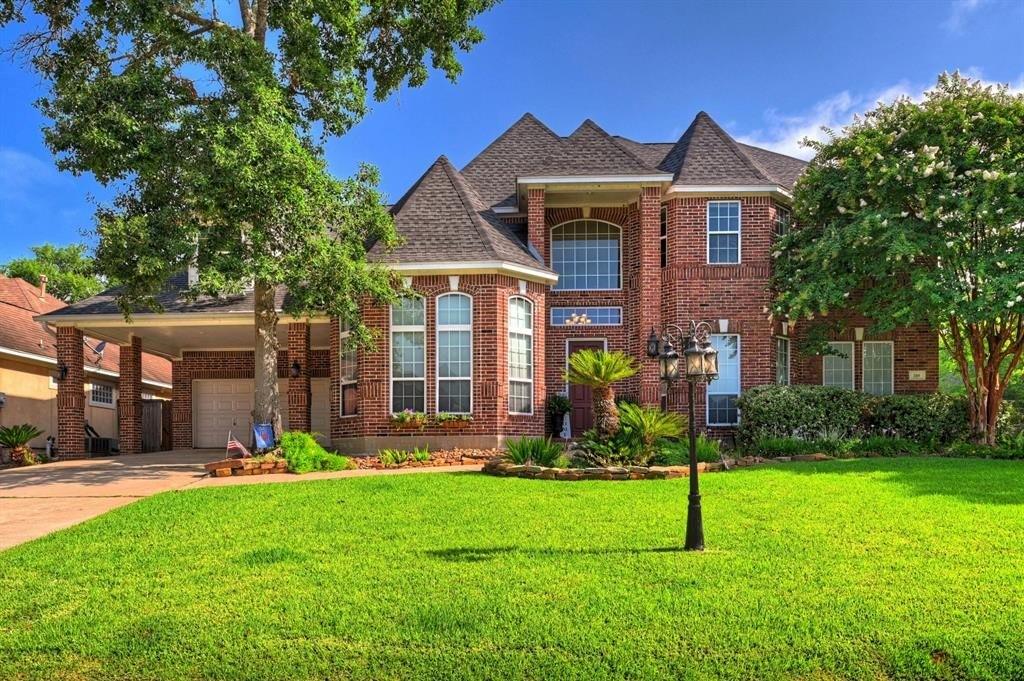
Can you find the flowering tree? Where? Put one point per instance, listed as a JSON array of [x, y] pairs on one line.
[[916, 214]]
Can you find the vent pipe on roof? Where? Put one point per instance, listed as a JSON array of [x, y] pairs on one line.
[[42, 286]]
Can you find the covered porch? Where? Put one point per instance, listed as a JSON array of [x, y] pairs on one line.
[[212, 361]]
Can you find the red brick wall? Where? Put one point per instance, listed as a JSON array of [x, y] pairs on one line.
[[71, 394], [129, 400], [298, 386]]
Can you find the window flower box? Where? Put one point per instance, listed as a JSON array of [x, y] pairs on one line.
[[409, 420], [453, 421]]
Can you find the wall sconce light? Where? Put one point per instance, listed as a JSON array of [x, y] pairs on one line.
[[296, 370]]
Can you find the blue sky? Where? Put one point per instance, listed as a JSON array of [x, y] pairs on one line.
[[769, 72]]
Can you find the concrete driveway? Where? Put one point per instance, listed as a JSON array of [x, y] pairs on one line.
[[38, 500]]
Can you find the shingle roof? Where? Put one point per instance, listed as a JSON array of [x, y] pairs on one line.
[[783, 169], [707, 155], [443, 218], [518, 151], [589, 150], [20, 302]]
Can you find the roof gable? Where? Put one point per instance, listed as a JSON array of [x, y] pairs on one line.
[[707, 155], [589, 150], [520, 150]]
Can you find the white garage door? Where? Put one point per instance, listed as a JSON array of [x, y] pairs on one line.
[[220, 406], [319, 408]]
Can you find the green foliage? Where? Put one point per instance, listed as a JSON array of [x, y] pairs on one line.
[[410, 418], [305, 455], [599, 368], [644, 427], [16, 439], [537, 451], [677, 453], [446, 417], [598, 450], [420, 455], [558, 405], [915, 214], [771, 447], [390, 458], [798, 411], [70, 271], [875, 445], [938, 418], [879, 445], [970, 450]]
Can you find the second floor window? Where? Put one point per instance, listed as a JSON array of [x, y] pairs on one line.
[[723, 232], [586, 254], [664, 237]]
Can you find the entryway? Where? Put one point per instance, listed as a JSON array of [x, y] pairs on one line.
[[581, 397]]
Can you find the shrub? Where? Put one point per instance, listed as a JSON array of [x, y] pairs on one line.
[[771, 447], [677, 453], [643, 427], [390, 458], [558, 405], [888, 446], [304, 455], [975, 451], [937, 418], [1010, 425], [420, 455], [593, 449], [807, 412], [16, 438], [537, 451]]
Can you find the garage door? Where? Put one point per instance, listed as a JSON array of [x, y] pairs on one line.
[[220, 406], [319, 408]]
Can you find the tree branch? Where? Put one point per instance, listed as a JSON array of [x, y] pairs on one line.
[[248, 25], [196, 19], [262, 12]]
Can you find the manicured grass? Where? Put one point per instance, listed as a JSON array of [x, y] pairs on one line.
[[906, 568]]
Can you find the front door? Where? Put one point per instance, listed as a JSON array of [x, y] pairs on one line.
[[581, 418]]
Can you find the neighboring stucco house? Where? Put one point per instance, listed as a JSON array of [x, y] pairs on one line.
[[539, 246], [29, 371]]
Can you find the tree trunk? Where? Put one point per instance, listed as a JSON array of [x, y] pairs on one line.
[[606, 414], [267, 400]]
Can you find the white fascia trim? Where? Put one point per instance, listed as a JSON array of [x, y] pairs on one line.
[[43, 359], [475, 267], [589, 179], [730, 189], [166, 319]]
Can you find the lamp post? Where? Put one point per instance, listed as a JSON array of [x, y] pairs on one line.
[[700, 362]]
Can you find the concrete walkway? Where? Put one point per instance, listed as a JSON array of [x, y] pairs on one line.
[[37, 500]]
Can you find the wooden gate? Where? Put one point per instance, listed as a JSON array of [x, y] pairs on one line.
[[152, 425]]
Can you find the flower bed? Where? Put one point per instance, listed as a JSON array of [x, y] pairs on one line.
[[502, 468], [444, 457], [256, 465]]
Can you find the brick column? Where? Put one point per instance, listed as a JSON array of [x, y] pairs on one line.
[[536, 228], [298, 386], [71, 394], [647, 296], [181, 406], [129, 401]]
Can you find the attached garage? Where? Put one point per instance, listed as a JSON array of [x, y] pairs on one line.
[[222, 406]]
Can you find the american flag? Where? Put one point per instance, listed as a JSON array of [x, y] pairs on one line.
[[236, 450]]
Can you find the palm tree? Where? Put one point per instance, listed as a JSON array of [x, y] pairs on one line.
[[598, 370], [16, 438]]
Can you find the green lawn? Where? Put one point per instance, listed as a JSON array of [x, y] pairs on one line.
[[906, 568]]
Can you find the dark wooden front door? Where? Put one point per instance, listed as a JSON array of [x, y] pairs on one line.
[[581, 418]]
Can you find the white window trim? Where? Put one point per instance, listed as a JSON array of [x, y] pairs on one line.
[[551, 316], [892, 365], [103, 405], [789, 360], [551, 255], [738, 233], [739, 387], [533, 362], [437, 351], [852, 354], [662, 238], [342, 381], [391, 356]]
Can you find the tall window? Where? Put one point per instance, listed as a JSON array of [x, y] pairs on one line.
[[725, 390], [520, 356], [455, 353], [877, 367], [664, 236], [408, 355], [723, 232], [837, 369], [349, 373], [782, 220], [782, 361], [586, 256]]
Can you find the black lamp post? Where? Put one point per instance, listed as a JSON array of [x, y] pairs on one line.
[[700, 362]]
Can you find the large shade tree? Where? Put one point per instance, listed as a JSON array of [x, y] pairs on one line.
[[209, 118], [70, 271], [915, 213]]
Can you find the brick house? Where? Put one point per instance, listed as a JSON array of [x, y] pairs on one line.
[[539, 246]]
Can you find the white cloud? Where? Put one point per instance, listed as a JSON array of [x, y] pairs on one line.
[[959, 12], [785, 132]]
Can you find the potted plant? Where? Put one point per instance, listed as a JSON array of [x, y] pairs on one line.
[[407, 419], [558, 406], [16, 439], [450, 421]]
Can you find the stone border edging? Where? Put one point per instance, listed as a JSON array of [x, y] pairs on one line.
[[501, 468]]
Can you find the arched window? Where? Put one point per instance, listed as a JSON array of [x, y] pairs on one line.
[[455, 353], [520, 356], [408, 355], [586, 254]]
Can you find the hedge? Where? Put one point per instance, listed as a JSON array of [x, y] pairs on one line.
[[817, 412]]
